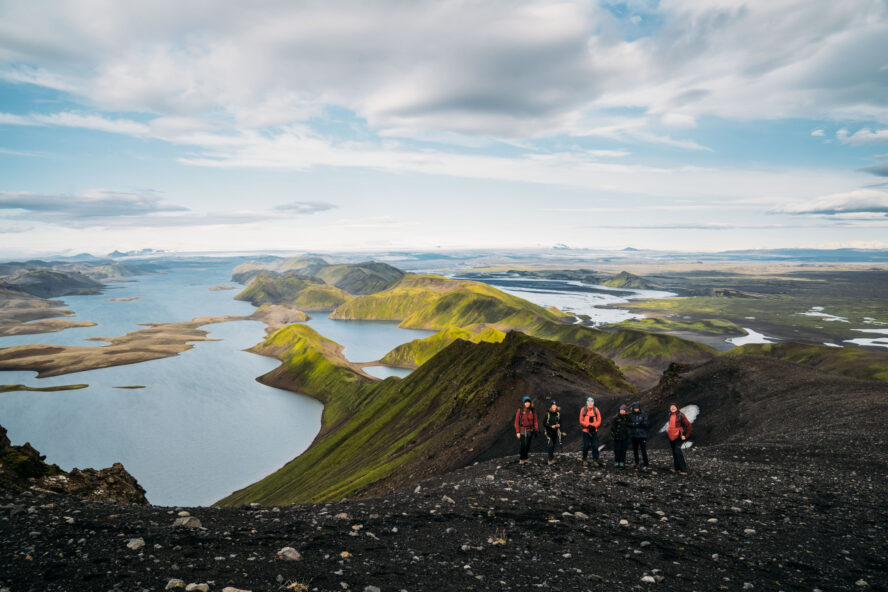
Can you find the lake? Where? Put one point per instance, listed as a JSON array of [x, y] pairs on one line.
[[203, 427], [574, 297]]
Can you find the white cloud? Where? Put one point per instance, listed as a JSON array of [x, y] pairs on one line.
[[503, 69], [818, 133], [866, 204], [79, 120], [863, 137]]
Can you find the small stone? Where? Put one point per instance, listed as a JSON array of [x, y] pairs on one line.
[[748, 586], [418, 489], [69, 519], [342, 516], [580, 516], [448, 499], [862, 583], [648, 580], [712, 520], [135, 544], [188, 522], [289, 554], [748, 531], [174, 583], [567, 555], [233, 589], [372, 589], [345, 554], [490, 477], [715, 556], [183, 514], [645, 543], [624, 522], [197, 588]]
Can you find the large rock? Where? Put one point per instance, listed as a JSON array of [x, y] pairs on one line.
[[22, 467]]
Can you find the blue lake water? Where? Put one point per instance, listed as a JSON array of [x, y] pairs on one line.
[[203, 427]]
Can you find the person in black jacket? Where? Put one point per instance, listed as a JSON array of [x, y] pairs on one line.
[[620, 434], [638, 427], [553, 429]]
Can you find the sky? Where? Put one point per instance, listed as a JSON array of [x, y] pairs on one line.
[[219, 126]]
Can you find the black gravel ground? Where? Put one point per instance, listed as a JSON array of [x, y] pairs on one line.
[[748, 517]]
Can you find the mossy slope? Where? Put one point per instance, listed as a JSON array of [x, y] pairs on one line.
[[846, 361], [452, 410], [294, 290]]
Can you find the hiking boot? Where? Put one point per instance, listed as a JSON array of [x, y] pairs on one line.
[[672, 471], [551, 462], [595, 463], [585, 463]]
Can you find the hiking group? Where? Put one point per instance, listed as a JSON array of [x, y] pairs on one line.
[[629, 425]]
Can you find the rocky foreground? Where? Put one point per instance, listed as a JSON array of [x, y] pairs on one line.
[[784, 515]]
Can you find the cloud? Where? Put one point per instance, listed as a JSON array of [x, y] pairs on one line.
[[305, 207], [818, 133], [865, 204], [113, 209], [87, 205], [503, 69], [863, 137], [79, 120], [880, 170]]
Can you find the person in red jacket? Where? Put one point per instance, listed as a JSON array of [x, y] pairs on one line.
[[678, 428], [526, 425], [590, 419]]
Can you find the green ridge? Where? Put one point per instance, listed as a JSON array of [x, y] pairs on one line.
[[418, 351], [293, 289], [377, 431]]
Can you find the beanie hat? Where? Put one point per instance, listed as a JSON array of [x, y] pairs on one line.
[[553, 404], [636, 405], [590, 400], [525, 399], [623, 408]]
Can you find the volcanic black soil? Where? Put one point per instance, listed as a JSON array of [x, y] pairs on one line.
[[781, 516]]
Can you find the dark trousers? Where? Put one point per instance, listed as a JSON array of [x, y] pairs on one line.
[[640, 443], [524, 443], [677, 455], [552, 441], [620, 447], [590, 441]]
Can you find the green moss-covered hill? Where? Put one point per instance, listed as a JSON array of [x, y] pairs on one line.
[[847, 361], [294, 290], [455, 409], [480, 312], [353, 278]]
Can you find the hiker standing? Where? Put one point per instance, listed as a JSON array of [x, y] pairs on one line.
[[526, 425], [590, 419], [638, 426], [620, 434], [678, 428], [553, 429]]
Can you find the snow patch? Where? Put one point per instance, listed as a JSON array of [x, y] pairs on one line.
[[751, 337], [689, 411], [832, 344]]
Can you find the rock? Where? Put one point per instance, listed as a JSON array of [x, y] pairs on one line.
[[342, 516], [624, 522], [580, 516], [183, 513], [712, 520], [448, 499], [862, 583], [648, 580], [747, 586], [233, 589], [289, 554], [748, 531], [197, 588], [188, 522], [174, 583], [135, 544], [372, 589]]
